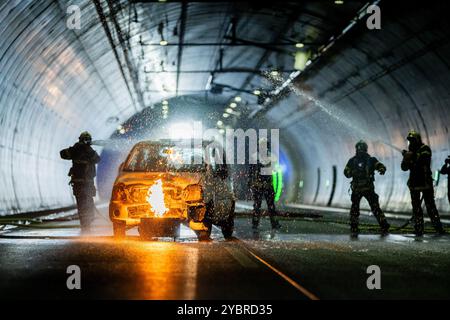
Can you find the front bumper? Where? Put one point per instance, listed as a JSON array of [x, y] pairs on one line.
[[133, 214]]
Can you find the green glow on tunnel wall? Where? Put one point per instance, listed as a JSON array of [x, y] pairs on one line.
[[277, 182]]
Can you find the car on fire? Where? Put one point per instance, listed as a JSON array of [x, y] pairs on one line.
[[159, 187]]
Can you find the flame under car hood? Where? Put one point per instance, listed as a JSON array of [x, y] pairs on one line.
[[180, 179]]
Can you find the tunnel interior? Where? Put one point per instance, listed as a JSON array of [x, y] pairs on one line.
[[134, 67]]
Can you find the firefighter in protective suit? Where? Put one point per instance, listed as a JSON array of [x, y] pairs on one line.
[[261, 187], [446, 170], [82, 176], [362, 169], [418, 161]]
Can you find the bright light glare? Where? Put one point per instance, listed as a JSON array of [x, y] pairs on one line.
[[225, 115], [229, 110], [182, 130], [299, 45], [256, 92], [163, 43], [155, 198], [233, 105], [219, 123], [238, 99]]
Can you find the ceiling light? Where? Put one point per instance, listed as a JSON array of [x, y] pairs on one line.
[[225, 115], [339, 2], [229, 110], [301, 58], [165, 107], [122, 131], [238, 99], [299, 45], [163, 43], [165, 102], [256, 92], [274, 73], [233, 105], [219, 123]]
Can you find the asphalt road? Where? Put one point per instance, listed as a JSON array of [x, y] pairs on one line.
[[311, 257]]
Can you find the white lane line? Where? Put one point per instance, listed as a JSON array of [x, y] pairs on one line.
[[242, 258], [363, 211], [340, 210], [291, 281]]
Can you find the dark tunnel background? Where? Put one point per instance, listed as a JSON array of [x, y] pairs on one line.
[[370, 84]]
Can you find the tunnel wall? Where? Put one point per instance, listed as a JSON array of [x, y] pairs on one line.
[[54, 84], [377, 85], [57, 82]]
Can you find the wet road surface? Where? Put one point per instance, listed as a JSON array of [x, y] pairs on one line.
[[311, 257]]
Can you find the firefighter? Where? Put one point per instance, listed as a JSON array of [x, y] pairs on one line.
[[82, 176], [261, 187], [418, 161], [361, 168], [446, 170]]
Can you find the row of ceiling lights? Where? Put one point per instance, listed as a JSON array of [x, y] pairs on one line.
[[164, 43], [165, 109], [229, 110]]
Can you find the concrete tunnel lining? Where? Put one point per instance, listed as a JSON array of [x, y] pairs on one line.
[[57, 82]]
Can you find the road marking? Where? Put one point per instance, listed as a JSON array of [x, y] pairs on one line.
[[341, 210], [292, 282], [242, 258]]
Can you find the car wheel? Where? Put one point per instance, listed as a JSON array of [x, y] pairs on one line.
[[119, 229], [204, 235], [227, 231], [228, 226]]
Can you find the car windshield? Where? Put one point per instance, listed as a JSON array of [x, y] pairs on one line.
[[164, 158]]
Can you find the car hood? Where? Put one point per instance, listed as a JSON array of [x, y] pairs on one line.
[[180, 179]]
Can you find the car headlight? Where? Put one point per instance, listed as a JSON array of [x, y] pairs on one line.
[[119, 193], [193, 192]]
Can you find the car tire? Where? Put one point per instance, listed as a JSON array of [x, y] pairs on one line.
[[119, 229], [228, 226], [203, 235], [227, 231]]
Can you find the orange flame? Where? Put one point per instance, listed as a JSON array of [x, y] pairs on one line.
[[155, 197]]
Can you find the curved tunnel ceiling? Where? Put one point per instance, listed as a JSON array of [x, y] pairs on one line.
[[56, 82]]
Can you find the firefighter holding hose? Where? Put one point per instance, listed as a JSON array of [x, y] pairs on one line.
[[261, 187], [361, 168], [82, 175], [417, 160]]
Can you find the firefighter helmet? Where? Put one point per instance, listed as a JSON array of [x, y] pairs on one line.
[[414, 136], [361, 146], [85, 137]]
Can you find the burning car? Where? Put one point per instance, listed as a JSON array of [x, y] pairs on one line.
[[159, 186]]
